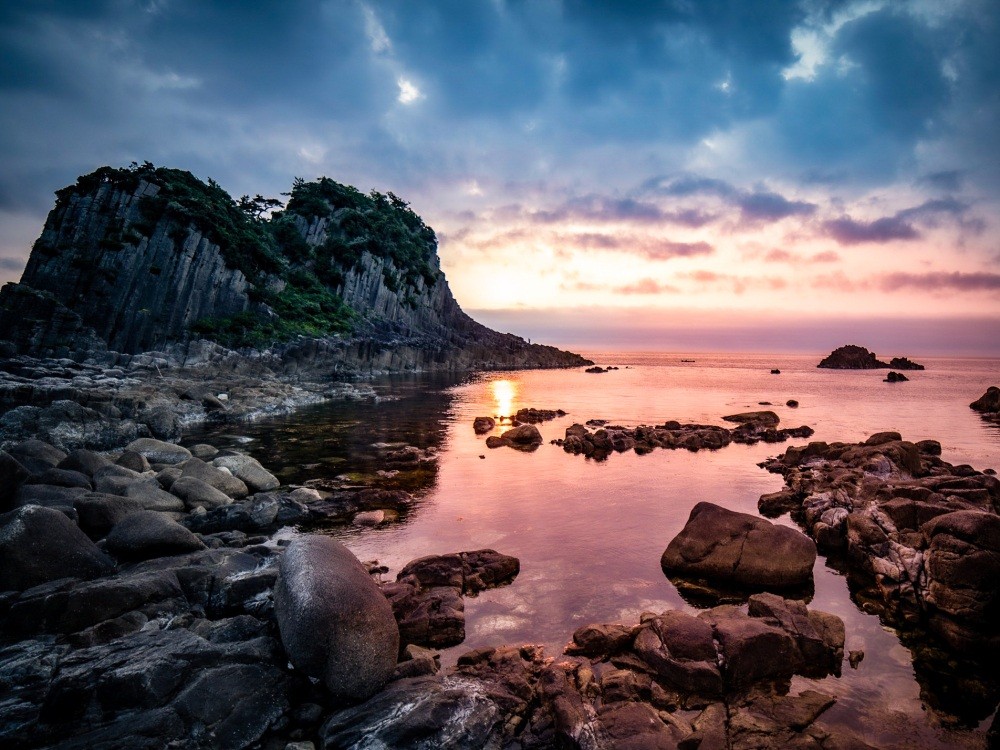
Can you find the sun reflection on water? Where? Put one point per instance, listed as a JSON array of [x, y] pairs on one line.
[[504, 391]]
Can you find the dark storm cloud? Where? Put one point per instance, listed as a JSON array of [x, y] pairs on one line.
[[758, 206]]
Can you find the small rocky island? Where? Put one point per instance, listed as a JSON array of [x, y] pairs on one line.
[[852, 357]]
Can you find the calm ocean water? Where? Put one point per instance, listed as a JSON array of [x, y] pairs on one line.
[[590, 534]]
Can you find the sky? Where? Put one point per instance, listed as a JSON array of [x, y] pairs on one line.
[[723, 174]]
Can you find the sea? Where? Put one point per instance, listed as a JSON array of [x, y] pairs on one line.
[[589, 534]]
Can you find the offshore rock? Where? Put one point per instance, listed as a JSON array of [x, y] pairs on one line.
[[334, 622], [852, 357]]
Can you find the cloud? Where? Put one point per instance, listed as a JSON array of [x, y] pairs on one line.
[[847, 231], [766, 206], [11, 264], [784, 256], [948, 180], [941, 281], [646, 286]]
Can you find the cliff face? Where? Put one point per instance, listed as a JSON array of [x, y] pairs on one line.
[[135, 260], [137, 284]]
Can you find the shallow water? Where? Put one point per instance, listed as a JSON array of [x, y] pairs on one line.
[[590, 534]]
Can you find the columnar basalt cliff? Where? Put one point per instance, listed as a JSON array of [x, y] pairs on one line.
[[139, 259]]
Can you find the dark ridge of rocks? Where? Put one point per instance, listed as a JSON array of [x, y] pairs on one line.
[[536, 416], [597, 369], [672, 435], [895, 377], [919, 538], [852, 357], [902, 363]]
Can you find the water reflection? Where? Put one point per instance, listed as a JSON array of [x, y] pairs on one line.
[[589, 535], [505, 392]]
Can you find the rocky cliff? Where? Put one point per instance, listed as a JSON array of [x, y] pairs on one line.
[[144, 258]]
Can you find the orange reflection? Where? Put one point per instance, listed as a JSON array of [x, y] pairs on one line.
[[504, 391]]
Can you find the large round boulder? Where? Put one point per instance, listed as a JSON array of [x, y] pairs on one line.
[[249, 471], [39, 544], [739, 550], [334, 621]]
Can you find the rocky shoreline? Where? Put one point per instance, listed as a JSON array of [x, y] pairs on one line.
[[155, 596]]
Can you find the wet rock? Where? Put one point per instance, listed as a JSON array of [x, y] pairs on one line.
[[59, 498], [470, 572], [263, 512], [61, 478], [249, 471], [525, 437], [12, 474], [601, 639], [433, 616], [335, 624], [818, 636], [767, 418], [449, 713], [752, 650], [895, 377], [369, 518], [681, 650], [158, 451], [38, 545], [792, 403], [534, 416], [146, 534], [736, 549], [482, 425], [854, 658]]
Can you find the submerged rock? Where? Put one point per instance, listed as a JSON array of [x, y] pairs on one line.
[[739, 550], [482, 425]]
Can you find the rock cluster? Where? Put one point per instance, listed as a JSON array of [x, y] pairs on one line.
[[601, 443], [718, 680], [852, 357], [920, 536], [525, 437]]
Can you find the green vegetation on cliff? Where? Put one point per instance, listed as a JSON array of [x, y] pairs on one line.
[[294, 286]]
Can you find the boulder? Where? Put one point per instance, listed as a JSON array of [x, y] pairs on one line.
[[681, 650], [146, 534], [224, 481], [61, 478], [151, 497], [249, 471], [85, 461], [895, 377], [98, 513], [38, 545], [204, 451], [752, 650], [739, 550], [48, 496], [36, 456], [525, 437], [134, 461], [334, 621], [198, 494], [158, 451], [989, 402], [482, 425], [12, 474]]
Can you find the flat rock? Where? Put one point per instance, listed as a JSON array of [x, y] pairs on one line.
[[739, 550], [764, 418], [38, 545]]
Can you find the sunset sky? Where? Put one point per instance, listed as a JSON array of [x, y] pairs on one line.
[[674, 174]]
